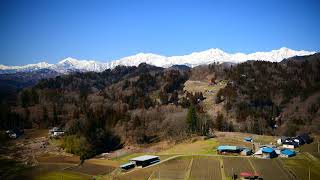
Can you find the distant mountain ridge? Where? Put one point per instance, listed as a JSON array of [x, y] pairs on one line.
[[194, 59]]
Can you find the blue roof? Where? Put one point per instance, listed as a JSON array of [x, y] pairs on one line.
[[288, 152], [231, 148], [267, 150], [248, 139]]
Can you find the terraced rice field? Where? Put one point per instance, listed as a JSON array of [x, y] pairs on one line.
[[62, 175], [271, 169], [205, 169], [59, 159], [173, 169], [221, 168], [300, 168], [236, 165], [139, 174], [91, 169]]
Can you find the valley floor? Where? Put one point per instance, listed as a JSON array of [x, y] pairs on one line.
[[192, 159]]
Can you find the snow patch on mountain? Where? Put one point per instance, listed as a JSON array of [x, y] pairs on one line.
[[194, 59]]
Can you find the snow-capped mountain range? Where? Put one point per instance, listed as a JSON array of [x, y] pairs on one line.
[[193, 59]]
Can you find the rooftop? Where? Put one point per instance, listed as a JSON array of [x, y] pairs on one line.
[[127, 164], [288, 152], [267, 150], [144, 158], [233, 148]]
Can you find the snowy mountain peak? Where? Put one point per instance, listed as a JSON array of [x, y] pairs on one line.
[[68, 60], [194, 59]]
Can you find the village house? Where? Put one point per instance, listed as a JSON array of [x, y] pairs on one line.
[[281, 140], [246, 152], [268, 153], [287, 153], [265, 153], [55, 132], [248, 139], [290, 145]]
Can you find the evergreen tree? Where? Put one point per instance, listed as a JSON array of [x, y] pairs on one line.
[[192, 119]]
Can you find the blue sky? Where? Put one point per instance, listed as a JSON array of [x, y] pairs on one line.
[[50, 30]]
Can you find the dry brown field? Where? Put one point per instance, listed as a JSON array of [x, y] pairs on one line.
[[205, 168], [236, 165], [271, 169], [91, 169]]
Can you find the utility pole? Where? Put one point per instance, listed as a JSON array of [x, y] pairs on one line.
[[232, 174], [309, 173], [318, 147]]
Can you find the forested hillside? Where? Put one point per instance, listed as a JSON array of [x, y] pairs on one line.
[[140, 105], [268, 98]]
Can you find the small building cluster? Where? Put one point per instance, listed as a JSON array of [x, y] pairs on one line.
[[294, 142], [141, 161], [269, 151], [284, 149]]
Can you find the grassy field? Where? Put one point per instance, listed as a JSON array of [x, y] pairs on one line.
[[51, 158], [42, 170], [208, 91], [62, 175], [92, 169], [198, 147], [311, 148], [299, 167]]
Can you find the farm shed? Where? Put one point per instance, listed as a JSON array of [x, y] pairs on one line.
[[228, 149], [258, 153], [268, 152], [290, 145], [145, 160], [287, 153], [127, 166], [281, 140], [298, 140], [248, 139], [306, 138], [246, 152]]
